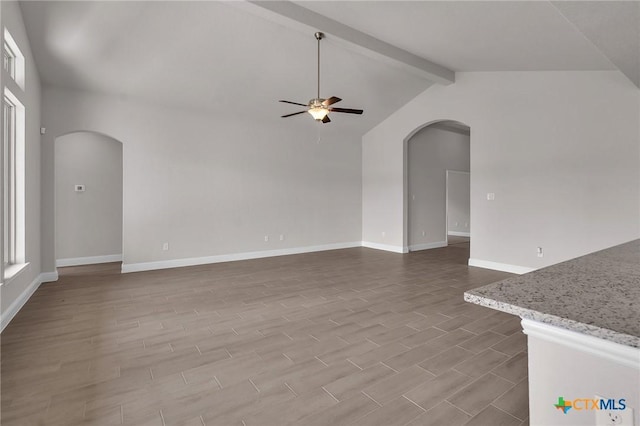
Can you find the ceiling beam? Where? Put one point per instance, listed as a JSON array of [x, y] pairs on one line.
[[292, 15]]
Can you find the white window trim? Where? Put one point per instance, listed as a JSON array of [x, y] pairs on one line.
[[18, 62], [19, 261], [10, 66]]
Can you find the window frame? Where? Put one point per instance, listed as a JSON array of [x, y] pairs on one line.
[[9, 60], [9, 190], [13, 198], [15, 65]]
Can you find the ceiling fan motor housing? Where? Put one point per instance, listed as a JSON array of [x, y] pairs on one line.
[[317, 103]]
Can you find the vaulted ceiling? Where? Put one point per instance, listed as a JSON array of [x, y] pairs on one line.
[[240, 58]]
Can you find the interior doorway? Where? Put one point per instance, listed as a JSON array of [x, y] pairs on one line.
[[438, 186], [88, 199]]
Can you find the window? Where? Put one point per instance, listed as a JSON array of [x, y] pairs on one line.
[[9, 61], [9, 181], [12, 157], [13, 60], [13, 184]]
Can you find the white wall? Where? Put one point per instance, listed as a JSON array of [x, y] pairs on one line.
[[458, 207], [560, 151], [15, 291], [431, 151], [89, 223], [213, 185]]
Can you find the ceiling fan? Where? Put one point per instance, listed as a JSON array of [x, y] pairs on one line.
[[320, 108]]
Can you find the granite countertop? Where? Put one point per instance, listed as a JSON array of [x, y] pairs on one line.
[[597, 294]]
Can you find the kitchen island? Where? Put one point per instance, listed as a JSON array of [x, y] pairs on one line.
[[582, 320]]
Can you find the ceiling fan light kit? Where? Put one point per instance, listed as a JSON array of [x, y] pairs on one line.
[[318, 107]]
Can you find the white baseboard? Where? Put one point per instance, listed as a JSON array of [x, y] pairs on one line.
[[459, 234], [49, 277], [427, 246], [504, 267], [178, 263], [385, 247], [17, 304], [90, 260]]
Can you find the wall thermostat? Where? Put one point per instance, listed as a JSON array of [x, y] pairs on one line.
[[79, 188]]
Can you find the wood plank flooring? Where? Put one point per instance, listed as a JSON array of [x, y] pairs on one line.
[[343, 337]]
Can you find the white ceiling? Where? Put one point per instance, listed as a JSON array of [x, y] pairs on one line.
[[221, 58]]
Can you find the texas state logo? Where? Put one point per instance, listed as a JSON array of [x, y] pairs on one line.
[[563, 405]]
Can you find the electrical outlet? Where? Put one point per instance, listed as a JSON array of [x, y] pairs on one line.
[[491, 196], [617, 417], [165, 246], [266, 238], [540, 252]]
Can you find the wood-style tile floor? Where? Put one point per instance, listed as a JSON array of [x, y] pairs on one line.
[[355, 336]]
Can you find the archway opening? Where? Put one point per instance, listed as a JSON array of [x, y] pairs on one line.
[[88, 199], [437, 186]]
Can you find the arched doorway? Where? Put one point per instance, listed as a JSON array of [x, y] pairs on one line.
[[437, 185], [88, 199]]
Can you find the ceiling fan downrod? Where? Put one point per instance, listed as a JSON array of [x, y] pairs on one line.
[[319, 36]]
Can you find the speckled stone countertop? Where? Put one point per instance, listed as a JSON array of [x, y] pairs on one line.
[[597, 294]]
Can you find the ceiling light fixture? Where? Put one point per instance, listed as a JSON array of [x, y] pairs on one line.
[[320, 108]]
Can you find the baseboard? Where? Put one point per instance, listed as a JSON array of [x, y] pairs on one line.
[[385, 247], [504, 267], [90, 260], [178, 263], [427, 246], [460, 234], [49, 277], [17, 304]]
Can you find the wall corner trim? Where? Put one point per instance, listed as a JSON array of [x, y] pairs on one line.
[[17, 304], [193, 261], [90, 260], [496, 266], [427, 246], [385, 247]]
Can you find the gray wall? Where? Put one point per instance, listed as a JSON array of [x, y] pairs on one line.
[[560, 150], [213, 185], [431, 151], [458, 203], [89, 223], [11, 291]]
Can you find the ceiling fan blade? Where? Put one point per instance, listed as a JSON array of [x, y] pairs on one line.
[[293, 103], [326, 119], [332, 100], [347, 110], [295, 113]]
